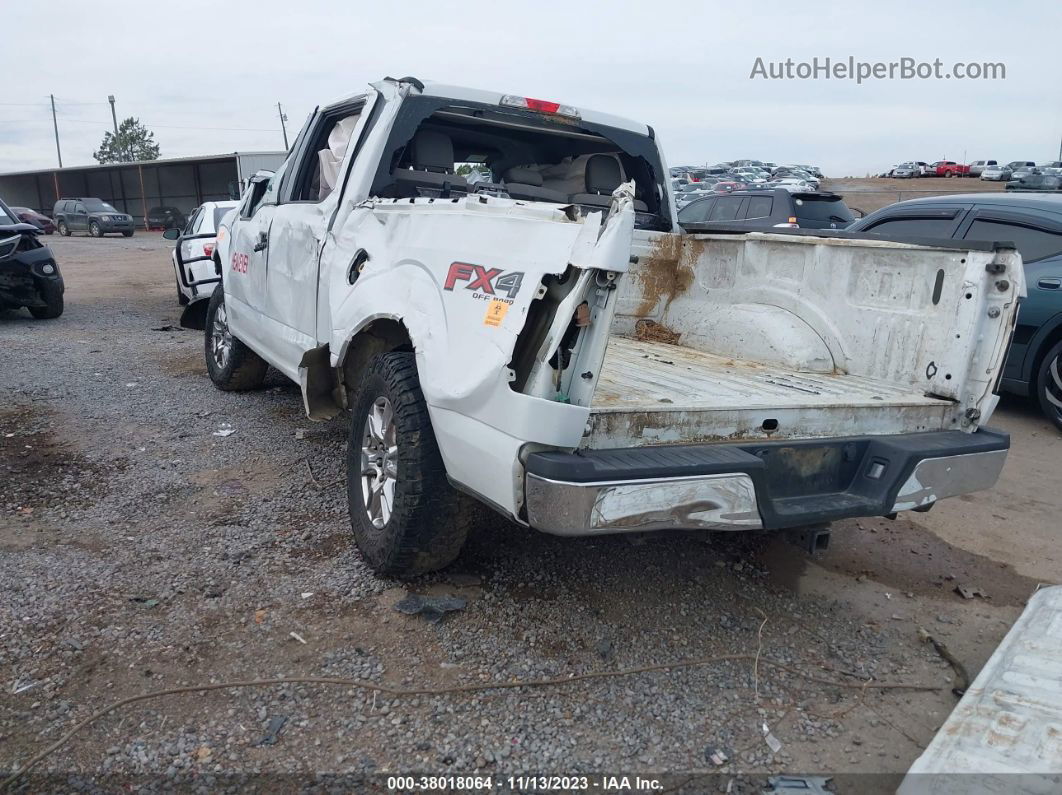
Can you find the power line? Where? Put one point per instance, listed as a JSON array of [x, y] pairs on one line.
[[106, 123]]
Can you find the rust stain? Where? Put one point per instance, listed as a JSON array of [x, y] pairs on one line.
[[667, 271], [632, 426]]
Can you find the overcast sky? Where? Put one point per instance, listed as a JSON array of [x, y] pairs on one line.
[[206, 77]]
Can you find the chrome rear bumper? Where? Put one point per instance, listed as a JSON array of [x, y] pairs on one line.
[[710, 502], [744, 487]]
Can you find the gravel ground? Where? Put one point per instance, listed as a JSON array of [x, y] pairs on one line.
[[141, 551]]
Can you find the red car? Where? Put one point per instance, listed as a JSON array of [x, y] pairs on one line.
[[42, 222], [949, 168]]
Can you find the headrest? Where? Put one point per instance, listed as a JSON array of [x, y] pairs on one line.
[[524, 176], [603, 174], [433, 151]]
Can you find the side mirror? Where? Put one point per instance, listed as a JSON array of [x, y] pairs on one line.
[[171, 234]]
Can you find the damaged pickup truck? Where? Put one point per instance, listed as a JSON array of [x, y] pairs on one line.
[[538, 335]]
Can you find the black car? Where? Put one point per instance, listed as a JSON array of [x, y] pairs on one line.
[[94, 216], [1033, 222], [766, 209], [29, 275], [166, 218]]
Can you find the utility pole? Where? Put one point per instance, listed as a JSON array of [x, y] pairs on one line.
[[283, 128], [55, 124], [114, 120]]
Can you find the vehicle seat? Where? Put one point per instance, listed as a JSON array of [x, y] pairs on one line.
[[522, 182], [432, 156], [603, 175]]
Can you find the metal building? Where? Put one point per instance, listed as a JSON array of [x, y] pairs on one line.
[[135, 188]]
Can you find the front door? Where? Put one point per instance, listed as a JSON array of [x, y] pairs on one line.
[[310, 192]]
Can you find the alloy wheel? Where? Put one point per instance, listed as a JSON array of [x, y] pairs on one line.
[[379, 462], [220, 338], [1053, 386]]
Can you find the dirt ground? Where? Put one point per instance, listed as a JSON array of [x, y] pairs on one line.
[[872, 193], [139, 550]]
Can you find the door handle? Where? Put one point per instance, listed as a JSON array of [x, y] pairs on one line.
[[263, 241], [1050, 283]]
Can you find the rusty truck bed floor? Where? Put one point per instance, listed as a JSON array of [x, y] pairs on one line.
[[640, 375]]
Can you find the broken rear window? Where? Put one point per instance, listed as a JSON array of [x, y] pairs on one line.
[[522, 154]]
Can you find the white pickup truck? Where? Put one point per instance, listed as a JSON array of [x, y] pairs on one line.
[[546, 341]]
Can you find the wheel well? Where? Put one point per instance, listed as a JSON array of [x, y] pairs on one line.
[[380, 336]]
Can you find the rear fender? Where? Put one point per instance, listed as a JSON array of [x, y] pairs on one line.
[[461, 276]]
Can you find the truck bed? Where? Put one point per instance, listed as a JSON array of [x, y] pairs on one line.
[[655, 393]]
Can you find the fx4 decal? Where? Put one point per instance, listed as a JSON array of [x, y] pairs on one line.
[[239, 262], [486, 281]]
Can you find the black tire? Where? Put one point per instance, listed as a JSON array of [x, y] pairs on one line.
[[95, 230], [239, 369], [428, 521], [52, 293], [63, 229], [127, 234], [1049, 385]]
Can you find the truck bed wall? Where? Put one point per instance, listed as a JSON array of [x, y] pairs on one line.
[[902, 313]]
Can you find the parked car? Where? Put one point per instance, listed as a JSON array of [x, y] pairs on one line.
[[787, 172], [749, 176], [29, 274], [1014, 165], [472, 340], [977, 166], [949, 168], [995, 173], [166, 218], [906, 171], [766, 209], [93, 216], [1034, 223], [39, 220], [729, 185], [694, 174], [1023, 171], [791, 184], [194, 266], [1036, 182]]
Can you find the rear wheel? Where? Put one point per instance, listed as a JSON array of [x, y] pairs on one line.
[[232, 366], [406, 517], [95, 230], [52, 293], [1049, 385], [63, 229]]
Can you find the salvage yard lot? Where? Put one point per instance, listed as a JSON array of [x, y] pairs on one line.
[[141, 551], [872, 193]]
